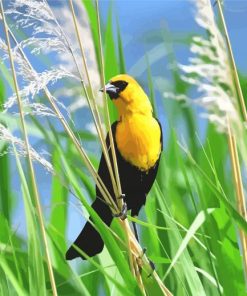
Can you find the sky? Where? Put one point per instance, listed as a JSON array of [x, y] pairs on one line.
[[139, 18]]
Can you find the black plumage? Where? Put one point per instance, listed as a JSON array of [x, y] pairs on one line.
[[135, 185]]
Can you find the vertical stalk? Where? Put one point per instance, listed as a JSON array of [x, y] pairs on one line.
[[239, 190], [129, 234], [232, 140], [32, 173], [80, 44], [102, 72], [72, 136], [97, 116], [132, 259], [119, 189]]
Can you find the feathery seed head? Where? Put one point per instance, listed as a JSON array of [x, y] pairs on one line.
[[209, 70], [7, 136]]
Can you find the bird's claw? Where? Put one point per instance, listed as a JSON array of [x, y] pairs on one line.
[[122, 196], [152, 265], [123, 214]]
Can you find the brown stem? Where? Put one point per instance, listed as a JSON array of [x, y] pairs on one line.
[[32, 173], [239, 190]]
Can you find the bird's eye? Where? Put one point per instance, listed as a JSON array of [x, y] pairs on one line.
[[120, 84]]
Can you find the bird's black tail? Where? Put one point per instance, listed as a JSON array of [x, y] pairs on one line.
[[89, 240]]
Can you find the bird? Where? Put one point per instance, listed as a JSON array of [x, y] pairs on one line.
[[138, 143]]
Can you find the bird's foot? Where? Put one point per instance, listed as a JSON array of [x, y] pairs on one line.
[[152, 265], [123, 214], [122, 196]]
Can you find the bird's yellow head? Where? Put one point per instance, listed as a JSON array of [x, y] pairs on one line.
[[128, 96]]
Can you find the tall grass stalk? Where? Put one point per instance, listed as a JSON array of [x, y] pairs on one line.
[[128, 232], [96, 117], [72, 136], [239, 190], [94, 108], [32, 173], [108, 124], [99, 125], [241, 203], [132, 242], [222, 92]]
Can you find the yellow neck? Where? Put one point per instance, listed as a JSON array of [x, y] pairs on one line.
[[129, 110], [133, 100], [138, 139]]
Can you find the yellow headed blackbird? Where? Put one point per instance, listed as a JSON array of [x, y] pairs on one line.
[[138, 143]]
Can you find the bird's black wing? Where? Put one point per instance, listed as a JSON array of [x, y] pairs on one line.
[[151, 175], [89, 240], [135, 183]]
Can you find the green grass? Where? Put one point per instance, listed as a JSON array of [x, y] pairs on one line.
[[190, 225]]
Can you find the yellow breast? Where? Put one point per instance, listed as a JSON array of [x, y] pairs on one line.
[[138, 140]]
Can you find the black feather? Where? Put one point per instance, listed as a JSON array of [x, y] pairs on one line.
[[135, 185]]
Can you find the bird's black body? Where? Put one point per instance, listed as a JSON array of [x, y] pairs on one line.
[[135, 185]]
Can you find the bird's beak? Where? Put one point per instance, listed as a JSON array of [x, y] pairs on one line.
[[110, 89]]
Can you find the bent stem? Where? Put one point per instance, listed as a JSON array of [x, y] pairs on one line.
[[116, 186], [30, 164], [137, 253]]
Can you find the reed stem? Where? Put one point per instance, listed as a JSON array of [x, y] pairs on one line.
[[96, 116], [232, 140], [120, 201], [108, 123], [239, 190], [130, 237], [32, 173], [72, 136]]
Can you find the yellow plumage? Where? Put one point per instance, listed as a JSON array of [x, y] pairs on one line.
[[139, 145], [138, 133]]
